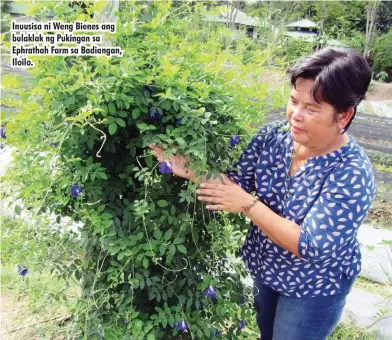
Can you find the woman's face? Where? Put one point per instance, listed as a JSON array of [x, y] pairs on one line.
[[312, 124]]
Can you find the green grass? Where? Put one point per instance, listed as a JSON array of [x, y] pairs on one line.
[[374, 287], [383, 168], [352, 332], [34, 305]]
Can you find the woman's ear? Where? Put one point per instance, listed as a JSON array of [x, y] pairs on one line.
[[345, 117]]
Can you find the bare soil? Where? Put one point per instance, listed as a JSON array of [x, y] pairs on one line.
[[380, 214], [18, 322], [381, 92]]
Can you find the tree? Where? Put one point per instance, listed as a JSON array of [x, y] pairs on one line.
[[382, 53], [384, 21], [371, 17]]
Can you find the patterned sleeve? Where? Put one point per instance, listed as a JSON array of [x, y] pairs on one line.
[[336, 215], [243, 171]]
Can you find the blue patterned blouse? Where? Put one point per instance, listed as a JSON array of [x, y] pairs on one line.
[[328, 198]]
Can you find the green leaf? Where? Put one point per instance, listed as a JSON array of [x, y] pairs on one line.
[[18, 210], [150, 337], [137, 326], [120, 122], [135, 113], [145, 263], [112, 108], [167, 235], [181, 249], [133, 151], [178, 240], [149, 161], [157, 234], [90, 144], [162, 249], [162, 203], [106, 216], [103, 175], [112, 128], [145, 127]]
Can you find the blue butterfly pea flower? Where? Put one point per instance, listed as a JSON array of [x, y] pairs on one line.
[[22, 270], [241, 326], [154, 113], [165, 168], [210, 291], [76, 190], [126, 320], [2, 132], [54, 144], [182, 326], [235, 140], [179, 120], [216, 333]]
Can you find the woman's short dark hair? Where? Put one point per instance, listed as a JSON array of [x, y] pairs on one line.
[[341, 77]]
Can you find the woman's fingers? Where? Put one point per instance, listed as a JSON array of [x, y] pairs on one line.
[[157, 152], [155, 147]]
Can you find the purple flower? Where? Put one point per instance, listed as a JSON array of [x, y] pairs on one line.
[[22, 270], [126, 320], [210, 291], [165, 168], [76, 190], [2, 132], [182, 325], [241, 326], [235, 140], [216, 333], [2, 146], [175, 325], [154, 113], [54, 144], [179, 120]]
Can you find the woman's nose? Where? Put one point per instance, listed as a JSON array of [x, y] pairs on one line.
[[297, 113]]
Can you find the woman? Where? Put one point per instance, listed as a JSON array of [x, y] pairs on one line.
[[314, 186]]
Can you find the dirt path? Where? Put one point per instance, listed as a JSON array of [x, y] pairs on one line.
[[18, 321], [380, 92], [11, 316]]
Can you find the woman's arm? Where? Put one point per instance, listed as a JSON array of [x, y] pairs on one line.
[[332, 222], [178, 167], [279, 230]]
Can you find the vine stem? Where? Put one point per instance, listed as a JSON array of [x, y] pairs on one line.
[[104, 137]]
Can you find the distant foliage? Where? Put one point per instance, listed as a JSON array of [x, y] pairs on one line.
[[382, 53]]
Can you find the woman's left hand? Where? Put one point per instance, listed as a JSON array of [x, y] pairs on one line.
[[228, 196]]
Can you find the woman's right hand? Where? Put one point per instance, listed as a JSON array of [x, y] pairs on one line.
[[177, 162]]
